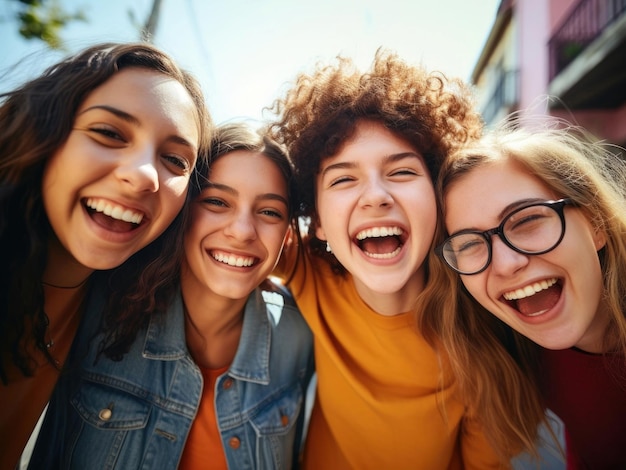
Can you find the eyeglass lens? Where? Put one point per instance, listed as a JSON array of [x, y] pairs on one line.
[[531, 230]]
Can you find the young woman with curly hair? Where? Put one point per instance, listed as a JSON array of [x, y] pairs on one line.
[[367, 147]]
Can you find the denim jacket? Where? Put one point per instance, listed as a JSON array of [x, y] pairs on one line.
[[137, 413]]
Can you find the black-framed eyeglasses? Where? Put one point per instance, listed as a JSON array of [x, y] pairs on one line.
[[533, 229]]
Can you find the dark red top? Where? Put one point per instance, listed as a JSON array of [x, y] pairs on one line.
[[588, 392]]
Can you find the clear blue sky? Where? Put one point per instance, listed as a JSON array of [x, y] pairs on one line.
[[245, 51]]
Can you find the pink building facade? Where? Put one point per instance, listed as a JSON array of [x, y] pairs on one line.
[[564, 58]]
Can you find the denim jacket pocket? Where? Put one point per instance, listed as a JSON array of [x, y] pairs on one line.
[[107, 407], [109, 428], [276, 427]]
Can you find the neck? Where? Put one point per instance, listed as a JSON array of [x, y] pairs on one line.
[[62, 270], [212, 328], [595, 339], [394, 303]]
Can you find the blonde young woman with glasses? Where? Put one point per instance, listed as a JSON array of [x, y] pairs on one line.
[[537, 236]]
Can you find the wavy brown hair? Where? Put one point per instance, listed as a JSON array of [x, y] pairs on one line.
[[496, 366], [35, 120], [318, 115]]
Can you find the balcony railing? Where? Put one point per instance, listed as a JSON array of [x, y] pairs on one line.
[[505, 95], [587, 20]]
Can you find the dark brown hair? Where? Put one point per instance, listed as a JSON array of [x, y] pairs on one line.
[[35, 120]]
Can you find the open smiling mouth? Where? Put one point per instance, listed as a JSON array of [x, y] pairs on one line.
[[113, 217], [381, 242], [536, 298]]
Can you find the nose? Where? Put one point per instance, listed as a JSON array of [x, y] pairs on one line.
[[375, 195], [138, 170], [505, 260], [242, 227]]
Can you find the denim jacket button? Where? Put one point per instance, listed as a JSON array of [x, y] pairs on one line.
[[284, 419], [234, 442], [228, 383], [105, 414]]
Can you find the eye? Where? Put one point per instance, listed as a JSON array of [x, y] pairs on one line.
[[177, 162], [403, 174], [531, 218], [214, 202], [404, 171], [108, 133], [340, 180], [469, 245], [273, 213], [466, 243]]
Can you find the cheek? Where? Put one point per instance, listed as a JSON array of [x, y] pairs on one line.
[[173, 194], [52, 177], [200, 221], [332, 207], [476, 287], [55, 193]]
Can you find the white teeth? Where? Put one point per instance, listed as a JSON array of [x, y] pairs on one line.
[[114, 211], [378, 232], [383, 255], [529, 290], [232, 260]]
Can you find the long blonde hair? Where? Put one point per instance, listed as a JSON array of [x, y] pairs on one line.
[[494, 365]]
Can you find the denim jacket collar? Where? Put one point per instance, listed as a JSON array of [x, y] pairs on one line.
[[165, 337]]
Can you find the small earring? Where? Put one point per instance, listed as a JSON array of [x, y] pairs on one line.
[[328, 248]]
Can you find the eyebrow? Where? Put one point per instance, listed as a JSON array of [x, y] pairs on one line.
[[117, 112], [514, 205], [234, 192], [386, 160], [134, 121]]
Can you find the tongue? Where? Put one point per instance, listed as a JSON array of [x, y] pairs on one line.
[[114, 225], [380, 245], [541, 301]]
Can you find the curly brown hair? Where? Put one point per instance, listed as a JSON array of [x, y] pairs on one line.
[[319, 114]]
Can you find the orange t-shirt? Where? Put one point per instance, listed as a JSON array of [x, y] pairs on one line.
[[380, 402], [24, 399], [203, 449]]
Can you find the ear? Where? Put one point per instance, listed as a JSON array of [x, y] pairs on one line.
[[289, 236], [319, 232], [599, 239]]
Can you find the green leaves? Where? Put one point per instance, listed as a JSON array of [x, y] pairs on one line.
[[44, 20]]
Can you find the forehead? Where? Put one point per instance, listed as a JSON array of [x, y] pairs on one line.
[[373, 138], [496, 179], [135, 86], [149, 96], [478, 196], [248, 170]]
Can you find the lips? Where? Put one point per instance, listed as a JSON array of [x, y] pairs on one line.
[[381, 242]]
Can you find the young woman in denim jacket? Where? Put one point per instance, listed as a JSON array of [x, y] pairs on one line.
[[219, 379], [96, 157]]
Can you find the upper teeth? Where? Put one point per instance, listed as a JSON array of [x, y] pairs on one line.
[[233, 260], [529, 290], [114, 211], [378, 232]]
